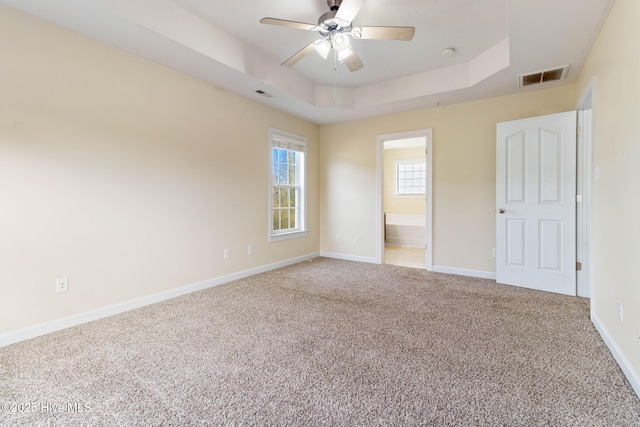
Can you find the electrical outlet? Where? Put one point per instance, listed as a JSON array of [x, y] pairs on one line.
[[356, 240], [227, 254], [250, 250], [62, 285], [494, 252], [620, 312], [339, 238]]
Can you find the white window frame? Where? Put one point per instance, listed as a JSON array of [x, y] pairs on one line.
[[289, 141], [396, 183]]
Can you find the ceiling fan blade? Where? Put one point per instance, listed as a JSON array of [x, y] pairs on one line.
[[353, 62], [290, 24], [383, 33], [299, 55], [348, 10]]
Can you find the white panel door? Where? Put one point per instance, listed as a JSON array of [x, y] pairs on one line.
[[536, 203]]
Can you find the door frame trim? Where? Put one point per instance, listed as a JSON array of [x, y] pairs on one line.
[[584, 163], [380, 139]]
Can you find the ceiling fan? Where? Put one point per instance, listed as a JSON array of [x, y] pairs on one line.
[[335, 26]]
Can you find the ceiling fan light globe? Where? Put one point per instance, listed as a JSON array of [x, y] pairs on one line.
[[323, 47], [340, 42]]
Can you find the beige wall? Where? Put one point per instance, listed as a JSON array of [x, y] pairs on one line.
[[400, 204], [126, 176], [463, 175], [615, 63]]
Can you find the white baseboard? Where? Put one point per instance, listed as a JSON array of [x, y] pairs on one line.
[[632, 376], [464, 272], [78, 319], [405, 243], [346, 257], [437, 269]]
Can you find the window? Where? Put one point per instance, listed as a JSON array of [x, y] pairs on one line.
[[410, 178], [287, 206]]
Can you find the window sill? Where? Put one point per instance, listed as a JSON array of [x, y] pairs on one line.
[[287, 236], [409, 196]]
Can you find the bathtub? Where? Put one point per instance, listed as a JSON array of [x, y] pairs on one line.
[[405, 230]]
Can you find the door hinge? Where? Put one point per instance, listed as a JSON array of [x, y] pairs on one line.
[[579, 198], [578, 266], [579, 131]]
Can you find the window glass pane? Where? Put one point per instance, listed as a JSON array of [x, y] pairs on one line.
[[276, 197], [284, 219], [292, 197], [292, 218], [276, 219], [410, 178], [282, 174], [274, 167], [292, 175], [282, 156], [292, 157], [284, 197]]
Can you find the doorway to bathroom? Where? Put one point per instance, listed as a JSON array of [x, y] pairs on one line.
[[404, 175]]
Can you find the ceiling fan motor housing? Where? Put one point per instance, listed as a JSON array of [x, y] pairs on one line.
[[327, 23]]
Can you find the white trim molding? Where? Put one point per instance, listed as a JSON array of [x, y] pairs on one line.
[[584, 163], [100, 313], [346, 257], [632, 376], [465, 272]]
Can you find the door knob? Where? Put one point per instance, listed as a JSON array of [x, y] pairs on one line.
[[500, 211]]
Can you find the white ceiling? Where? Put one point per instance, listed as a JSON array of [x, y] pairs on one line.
[[224, 44]]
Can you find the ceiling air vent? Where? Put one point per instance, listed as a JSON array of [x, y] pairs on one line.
[[543, 76]]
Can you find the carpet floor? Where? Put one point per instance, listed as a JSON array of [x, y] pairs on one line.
[[326, 342]]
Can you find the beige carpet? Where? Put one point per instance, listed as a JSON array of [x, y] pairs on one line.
[[331, 343]]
